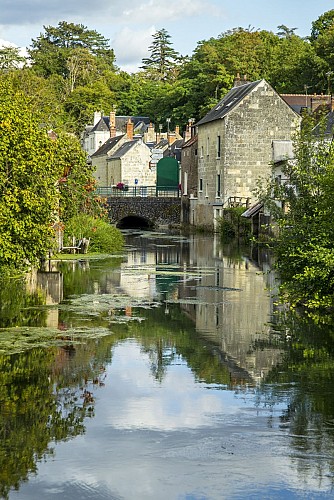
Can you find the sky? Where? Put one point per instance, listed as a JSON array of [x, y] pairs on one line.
[[130, 24]]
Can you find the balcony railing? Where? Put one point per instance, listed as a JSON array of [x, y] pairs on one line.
[[139, 191]]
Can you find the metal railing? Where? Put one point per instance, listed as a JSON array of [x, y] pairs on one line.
[[139, 191]]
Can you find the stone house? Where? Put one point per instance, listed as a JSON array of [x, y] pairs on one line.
[[99, 159], [130, 165], [105, 127], [235, 148]]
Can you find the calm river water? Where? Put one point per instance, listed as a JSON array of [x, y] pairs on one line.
[[167, 373]]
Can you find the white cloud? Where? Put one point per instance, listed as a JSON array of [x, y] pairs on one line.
[[22, 52], [157, 11], [131, 46]]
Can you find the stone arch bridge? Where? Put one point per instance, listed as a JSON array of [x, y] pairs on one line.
[[144, 211]]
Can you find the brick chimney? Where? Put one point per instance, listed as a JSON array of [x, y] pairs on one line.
[[129, 129], [112, 123], [171, 138]]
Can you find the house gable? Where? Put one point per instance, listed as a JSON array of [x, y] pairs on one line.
[[235, 142]]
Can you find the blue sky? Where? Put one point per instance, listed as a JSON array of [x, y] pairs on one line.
[[129, 24]]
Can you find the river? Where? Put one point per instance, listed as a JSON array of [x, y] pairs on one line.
[[169, 372]]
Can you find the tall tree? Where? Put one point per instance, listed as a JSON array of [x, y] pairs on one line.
[[163, 58], [10, 58], [285, 32], [50, 51], [322, 24], [28, 197]]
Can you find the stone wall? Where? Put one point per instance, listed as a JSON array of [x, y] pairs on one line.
[[246, 136], [158, 211]]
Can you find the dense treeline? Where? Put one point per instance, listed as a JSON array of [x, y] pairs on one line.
[[72, 71]]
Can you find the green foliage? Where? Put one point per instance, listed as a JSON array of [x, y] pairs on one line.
[[232, 224], [163, 58], [322, 24], [50, 52], [28, 175], [75, 182], [304, 249], [10, 58], [103, 237]]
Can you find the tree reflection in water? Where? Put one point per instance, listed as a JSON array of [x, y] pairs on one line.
[[46, 393]]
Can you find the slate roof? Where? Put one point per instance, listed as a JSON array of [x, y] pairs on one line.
[[162, 144], [253, 210], [174, 149], [107, 146], [229, 101], [121, 121], [122, 150], [329, 126], [191, 141]]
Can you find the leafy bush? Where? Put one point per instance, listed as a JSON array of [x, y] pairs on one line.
[[231, 224], [104, 238]]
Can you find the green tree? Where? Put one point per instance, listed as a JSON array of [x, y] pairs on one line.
[[28, 181], [163, 58], [304, 249], [285, 32], [45, 95], [322, 24], [50, 52], [10, 58], [75, 182]]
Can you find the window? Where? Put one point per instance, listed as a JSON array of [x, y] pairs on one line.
[[218, 183], [207, 146], [218, 146], [200, 188], [185, 183]]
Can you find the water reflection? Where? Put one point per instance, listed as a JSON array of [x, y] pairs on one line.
[[166, 367]]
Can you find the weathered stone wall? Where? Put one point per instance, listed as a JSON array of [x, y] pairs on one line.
[[189, 178], [103, 171], [135, 165], [159, 211], [246, 135]]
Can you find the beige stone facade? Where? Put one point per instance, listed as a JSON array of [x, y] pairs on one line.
[[130, 164], [235, 144]]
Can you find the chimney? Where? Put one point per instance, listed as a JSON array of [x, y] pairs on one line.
[[97, 117], [171, 138], [112, 123], [129, 129], [177, 130], [237, 80], [187, 133], [150, 134]]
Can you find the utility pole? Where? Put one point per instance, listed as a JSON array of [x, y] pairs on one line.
[[305, 88], [168, 139]]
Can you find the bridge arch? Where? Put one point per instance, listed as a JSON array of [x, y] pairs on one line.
[[134, 222], [146, 211]]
